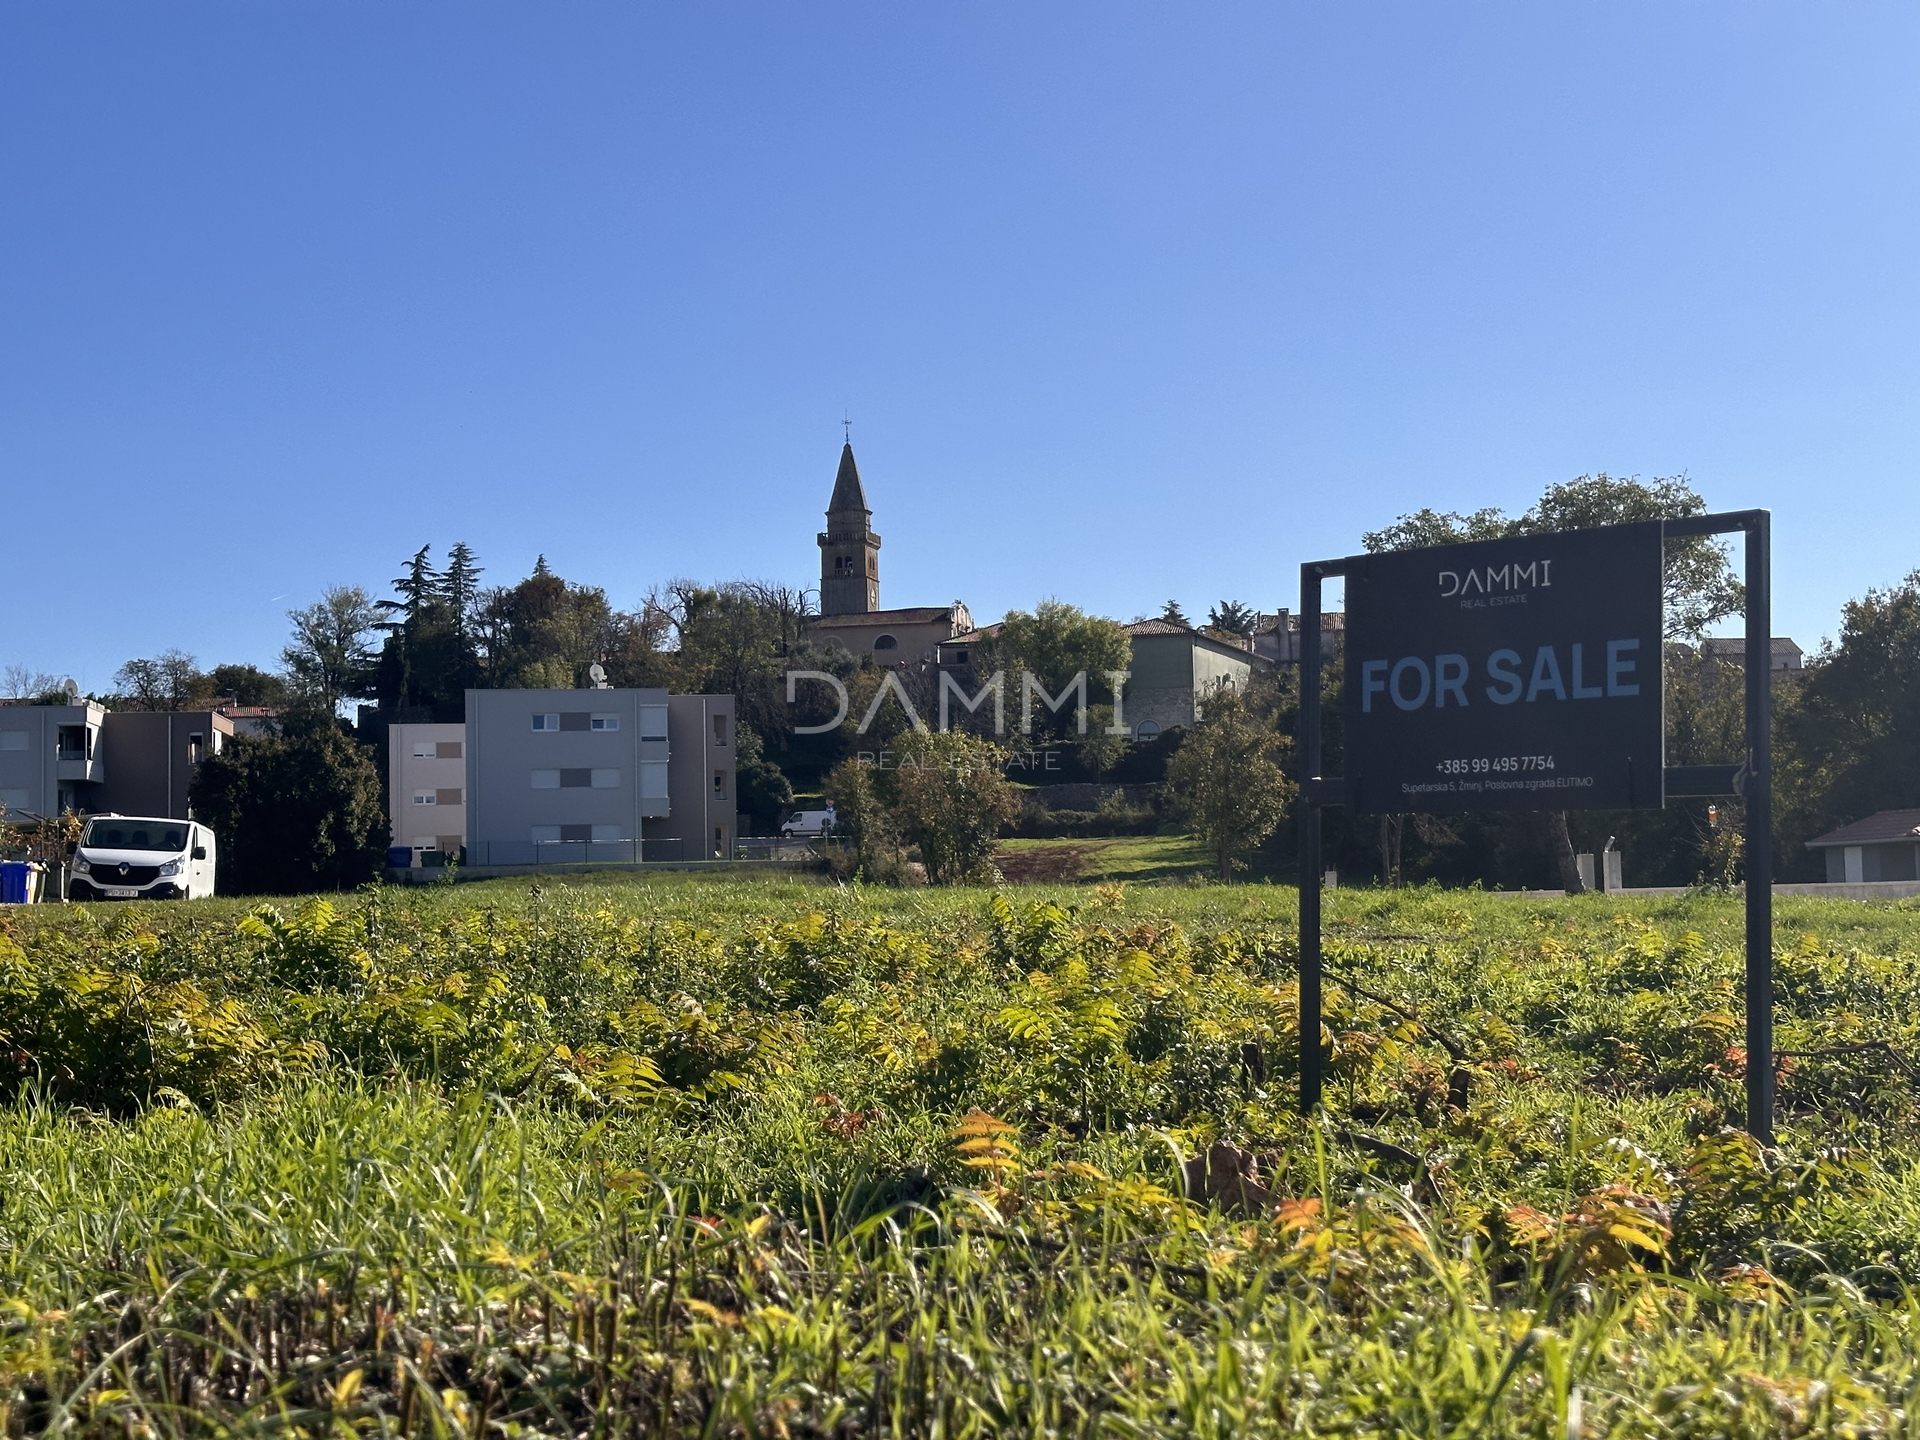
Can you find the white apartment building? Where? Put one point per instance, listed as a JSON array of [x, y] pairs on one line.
[[427, 786], [552, 776]]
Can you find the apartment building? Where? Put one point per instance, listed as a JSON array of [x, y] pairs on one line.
[[427, 786], [151, 756], [51, 759], [608, 775]]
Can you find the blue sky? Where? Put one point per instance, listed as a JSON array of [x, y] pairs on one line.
[[1126, 301]]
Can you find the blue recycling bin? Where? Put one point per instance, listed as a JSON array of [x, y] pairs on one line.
[[399, 857], [15, 876]]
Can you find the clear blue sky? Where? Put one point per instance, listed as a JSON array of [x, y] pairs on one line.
[[1126, 301]]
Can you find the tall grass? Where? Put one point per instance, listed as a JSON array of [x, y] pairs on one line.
[[695, 1161]]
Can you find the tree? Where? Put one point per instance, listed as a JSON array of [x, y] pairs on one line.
[[1230, 617], [294, 812], [171, 681], [1699, 583], [329, 659], [1173, 614], [246, 685], [1227, 781], [1850, 731], [459, 587], [952, 796], [861, 818], [1438, 527], [764, 792], [1056, 642], [19, 682]]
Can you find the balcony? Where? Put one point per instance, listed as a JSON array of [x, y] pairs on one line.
[[70, 765]]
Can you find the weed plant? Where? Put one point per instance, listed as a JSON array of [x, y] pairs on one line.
[[717, 1159]]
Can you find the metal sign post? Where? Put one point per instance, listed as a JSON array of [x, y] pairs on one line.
[[1527, 674]]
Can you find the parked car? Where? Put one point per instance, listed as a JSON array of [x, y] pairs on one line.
[[133, 857], [807, 824]]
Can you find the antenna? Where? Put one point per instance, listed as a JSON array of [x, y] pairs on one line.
[[598, 674], [847, 426], [69, 689]]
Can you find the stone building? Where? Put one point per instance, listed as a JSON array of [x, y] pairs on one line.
[[850, 614], [1174, 668]]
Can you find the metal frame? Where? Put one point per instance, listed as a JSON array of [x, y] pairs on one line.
[[1752, 779]]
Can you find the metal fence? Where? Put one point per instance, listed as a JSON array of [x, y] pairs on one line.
[[626, 852]]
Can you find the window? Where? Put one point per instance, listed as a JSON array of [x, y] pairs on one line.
[[546, 722], [13, 740], [1147, 730], [606, 722], [719, 784], [576, 720], [575, 834], [72, 742], [606, 834], [885, 642], [719, 842], [653, 722], [449, 795], [546, 779], [576, 779], [720, 729], [425, 749], [194, 744], [653, 782], [447, 750], [546, 834], [422, 842], [606, 779], [13, 799], [426, 797]]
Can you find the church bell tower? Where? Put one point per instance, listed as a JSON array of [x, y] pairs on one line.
[[849, 550]]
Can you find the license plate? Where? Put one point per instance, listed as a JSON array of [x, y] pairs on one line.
[[122, 892]]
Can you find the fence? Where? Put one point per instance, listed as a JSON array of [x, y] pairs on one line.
[[488, 853]]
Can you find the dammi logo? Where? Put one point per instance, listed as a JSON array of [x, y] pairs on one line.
[[1497, 580]]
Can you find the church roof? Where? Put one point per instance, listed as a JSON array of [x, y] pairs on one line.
[[911, 615], [848, 493]]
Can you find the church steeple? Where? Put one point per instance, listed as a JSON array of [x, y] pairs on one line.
[[849, 550]]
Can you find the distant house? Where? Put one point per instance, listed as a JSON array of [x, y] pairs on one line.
[[1787, 658], [1884, 846], [252, 719], [1276, 637], [959, 650], [1175, 667]]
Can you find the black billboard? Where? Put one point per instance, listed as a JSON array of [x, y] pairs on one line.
[[1520, 674]]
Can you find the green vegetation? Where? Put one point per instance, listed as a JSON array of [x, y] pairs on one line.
[[801, 1159]]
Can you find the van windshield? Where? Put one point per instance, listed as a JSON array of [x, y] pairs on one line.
[[115, 834]]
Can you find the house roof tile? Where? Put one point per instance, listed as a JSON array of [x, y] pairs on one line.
[[1876, 829]]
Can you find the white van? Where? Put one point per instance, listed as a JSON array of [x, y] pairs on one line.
[[807, 824], [133, 857]]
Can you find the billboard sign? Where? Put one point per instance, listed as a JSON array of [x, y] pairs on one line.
[[1516, 674]]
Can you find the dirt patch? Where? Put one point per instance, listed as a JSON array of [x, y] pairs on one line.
[[1045, 865]]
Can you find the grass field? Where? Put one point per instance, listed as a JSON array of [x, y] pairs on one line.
[[703, 1157]]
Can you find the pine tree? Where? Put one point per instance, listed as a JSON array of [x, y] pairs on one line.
[[460, 586]]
